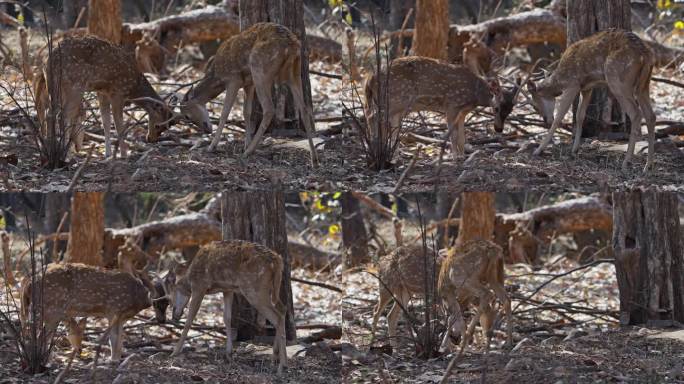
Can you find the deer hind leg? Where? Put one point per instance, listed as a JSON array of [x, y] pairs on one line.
[[502, 296], [454, 322], [402, 299], [262, 302], [247, 114], [562, 107], [106, 116], [579, 120], [115, 338], [305, 115], [649, 115], [458, 138], [231, 94], [117, 113], [263, 84], [383, 300], [195, 302], [72, 112], [630, 107], [227, 312]]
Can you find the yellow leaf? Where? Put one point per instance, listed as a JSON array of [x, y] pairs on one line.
[[334, 229], [679, 25]]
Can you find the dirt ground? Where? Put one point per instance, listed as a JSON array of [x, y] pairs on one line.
[[180, 163]]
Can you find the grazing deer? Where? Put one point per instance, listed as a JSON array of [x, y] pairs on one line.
[[251, 269], [617, 58], [469, 274], [255, 59], [90, 64], [402, 276], [425, 84], [65, 291]]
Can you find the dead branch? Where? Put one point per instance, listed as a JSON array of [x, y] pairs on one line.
[[317, 284]]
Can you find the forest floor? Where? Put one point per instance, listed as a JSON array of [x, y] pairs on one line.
[[179, 162], [148, 345], [564, 333]]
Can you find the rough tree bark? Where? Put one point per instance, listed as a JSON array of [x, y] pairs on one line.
[[354, 235], [289, 13], [56, 204], [86, 236], [431, 34], [649, 257], [586, 17], [477, 217], [258, 217], [104, 19]]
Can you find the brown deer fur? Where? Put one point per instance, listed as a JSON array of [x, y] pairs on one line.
[[90, 64], [65, 291], [251, 269], [255, 59], [425, 84], [617, 58]]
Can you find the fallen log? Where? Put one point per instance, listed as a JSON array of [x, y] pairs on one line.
[[522, 234], [211, 24], [539, 26]]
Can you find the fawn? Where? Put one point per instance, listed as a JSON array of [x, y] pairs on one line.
[[65, 291], [251, 269], [255, 59], [469, 274], [90, 64], [617, 58], [425, 84], [402, 276]]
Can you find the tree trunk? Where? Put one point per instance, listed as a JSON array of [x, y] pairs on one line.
[[649, 257], [445, 201], [585, 18], [477, 217], [431, 34], [354, 235], [55, 205], [289, 13], [258, 217], [86, 236], [104, 19]]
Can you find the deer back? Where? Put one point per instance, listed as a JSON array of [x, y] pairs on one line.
[[92, 64], [584, 62], [405, 268], [421, 83], [70, 290], [263, 44], [234, 265], [472, 264]]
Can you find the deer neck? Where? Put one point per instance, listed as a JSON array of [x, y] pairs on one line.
[[207, 89]]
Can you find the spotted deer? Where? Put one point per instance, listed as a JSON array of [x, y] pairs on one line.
[[472, 273], [614, 57], [89, 64], [425, 84], [66, 291], [402, 276], [251, 269], [254, 60]]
